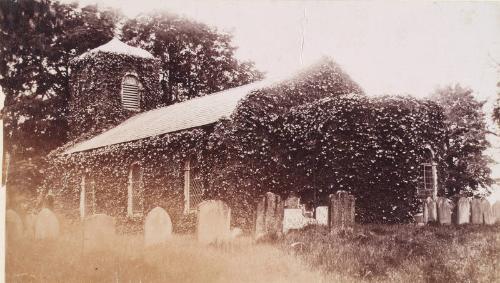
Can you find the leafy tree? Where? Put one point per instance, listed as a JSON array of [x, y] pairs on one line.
[[196, 59], [37, 40], [465, 121]]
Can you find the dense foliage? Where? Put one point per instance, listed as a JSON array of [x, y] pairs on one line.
[[466, 126], [95, 104], [38, 39], [196, 59], [314, 134]]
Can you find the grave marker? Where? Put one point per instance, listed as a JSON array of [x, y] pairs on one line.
[[157, 227], [214, 219]]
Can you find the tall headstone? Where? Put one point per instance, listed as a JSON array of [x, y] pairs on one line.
[[157, 227], [46, 225], [269, 221], [445, 208], [430, 210], [322, 215], [476, 211], [488, 217], [99, 232], [214, 221], [496, 211], [13, 225], [341, 210], [463, 210]]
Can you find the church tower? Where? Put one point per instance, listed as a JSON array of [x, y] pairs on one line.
[[109, 84]]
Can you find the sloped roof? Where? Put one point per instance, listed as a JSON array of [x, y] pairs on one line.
[[116, 46], [192, 113]]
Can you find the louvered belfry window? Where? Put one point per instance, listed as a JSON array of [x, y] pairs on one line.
[[131, 99]]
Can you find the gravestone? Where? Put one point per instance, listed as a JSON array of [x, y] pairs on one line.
[[29, 226], [293, 219], [445, 208], [488, 217], [322, 215], [269, 221], [496, 211], [46, 225], [13, 225], [430, 210], [341, 210], [98, 232], [476, 211], [292, 202], [214, 220], [157, 227], [463, 210]]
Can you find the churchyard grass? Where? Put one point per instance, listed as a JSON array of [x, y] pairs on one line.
[[403, 253], [371, 253]]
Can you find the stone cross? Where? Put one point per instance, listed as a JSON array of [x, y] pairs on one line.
[[269, 218], [157, 227], [214, 222]]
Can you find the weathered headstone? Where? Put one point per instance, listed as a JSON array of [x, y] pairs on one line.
[[29, 226], [430, 210], [46, 225], [488, 217], [419, 219], [214, 220], [496, 211], [341, 210], [322, 215], [269, 221], [476, 211], [445, 208], [13, 225], [157, 227], [463, 210], [98, 232], [293, 219]]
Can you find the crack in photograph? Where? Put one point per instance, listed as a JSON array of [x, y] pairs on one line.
[[249, 141]]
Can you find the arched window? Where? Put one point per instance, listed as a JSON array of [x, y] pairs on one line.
[[428, 187], [193, 186], [87, 195], [131, 98], [135, 199]]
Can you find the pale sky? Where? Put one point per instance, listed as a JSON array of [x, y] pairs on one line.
[[387, 47]]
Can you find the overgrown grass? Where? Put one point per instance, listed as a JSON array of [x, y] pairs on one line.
[[181, 260], [371, 253], [403, 253]]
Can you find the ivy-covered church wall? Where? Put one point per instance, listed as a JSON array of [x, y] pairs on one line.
[[314, 134], [161, 160], [95, 102]]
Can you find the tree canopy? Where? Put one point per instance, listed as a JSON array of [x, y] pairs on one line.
[[196, 59], [466, 125], [39, 38]]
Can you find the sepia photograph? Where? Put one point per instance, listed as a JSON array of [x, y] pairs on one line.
[[248, 141]]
